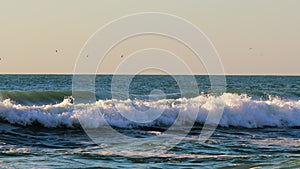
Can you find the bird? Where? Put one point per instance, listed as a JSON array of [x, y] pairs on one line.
[[121, 56], [56, 50]]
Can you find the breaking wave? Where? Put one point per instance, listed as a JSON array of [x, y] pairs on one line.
[[240, 111]]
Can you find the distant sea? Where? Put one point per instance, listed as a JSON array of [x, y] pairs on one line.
[[259, 127]]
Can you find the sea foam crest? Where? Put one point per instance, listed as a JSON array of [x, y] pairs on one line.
[[239, 111]]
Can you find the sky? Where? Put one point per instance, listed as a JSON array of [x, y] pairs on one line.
[[251, 36]]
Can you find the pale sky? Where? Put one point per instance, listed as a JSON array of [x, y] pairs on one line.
[[251, 36]]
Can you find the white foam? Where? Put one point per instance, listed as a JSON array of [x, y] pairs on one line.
[[239, 111]]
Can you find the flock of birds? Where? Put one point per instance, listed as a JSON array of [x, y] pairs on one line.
[[56, 51]]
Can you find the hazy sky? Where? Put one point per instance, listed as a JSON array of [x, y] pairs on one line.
[[251, 36]]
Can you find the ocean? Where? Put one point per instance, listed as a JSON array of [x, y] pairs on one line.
[[42, 125]]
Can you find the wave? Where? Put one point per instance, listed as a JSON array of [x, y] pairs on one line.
[[37, 97], [239, 111], [27, 97]]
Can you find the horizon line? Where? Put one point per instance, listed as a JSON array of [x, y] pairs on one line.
[[225, 74]]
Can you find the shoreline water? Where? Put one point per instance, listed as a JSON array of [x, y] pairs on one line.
[[39, 124]]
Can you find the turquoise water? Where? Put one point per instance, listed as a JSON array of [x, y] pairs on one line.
[[41, 125]]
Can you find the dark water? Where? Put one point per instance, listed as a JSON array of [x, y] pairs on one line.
[[42, 127]]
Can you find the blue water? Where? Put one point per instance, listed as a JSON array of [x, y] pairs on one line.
[[42, 126]]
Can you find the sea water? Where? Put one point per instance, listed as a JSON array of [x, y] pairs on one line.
[[42, 126]]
